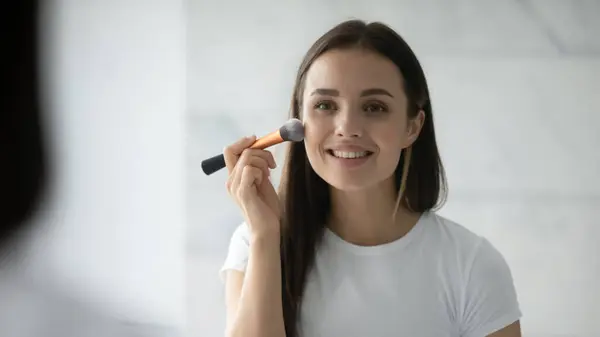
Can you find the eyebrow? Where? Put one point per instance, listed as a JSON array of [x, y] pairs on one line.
[[367, 92]]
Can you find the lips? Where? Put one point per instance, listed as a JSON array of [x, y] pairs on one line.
[[349, 154], [349, 158]]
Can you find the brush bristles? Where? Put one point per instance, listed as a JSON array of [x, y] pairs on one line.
[[292, 130]]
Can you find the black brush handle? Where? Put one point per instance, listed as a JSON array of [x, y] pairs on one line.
[[213, 164]]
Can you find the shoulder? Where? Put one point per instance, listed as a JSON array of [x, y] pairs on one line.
[[451, 236], [473, 255], [241, 234], [238, 250], [480, 274]]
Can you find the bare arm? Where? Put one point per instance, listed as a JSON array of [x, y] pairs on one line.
[[254, 307], [253, 298], [513, 330]]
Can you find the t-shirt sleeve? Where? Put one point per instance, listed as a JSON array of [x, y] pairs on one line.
[[490, 300], [238, 251]]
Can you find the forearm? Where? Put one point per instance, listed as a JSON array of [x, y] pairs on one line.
[[259, 311]]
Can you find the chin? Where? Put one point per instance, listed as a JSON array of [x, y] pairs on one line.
[[348, 185], [353, 181], [352, 177]]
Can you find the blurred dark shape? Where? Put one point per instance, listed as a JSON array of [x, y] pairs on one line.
[[23, 166], [29, 308]]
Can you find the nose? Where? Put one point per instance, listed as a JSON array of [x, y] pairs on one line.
[[348, 124]]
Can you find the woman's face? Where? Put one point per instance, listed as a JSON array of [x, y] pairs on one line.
[[355, 116]]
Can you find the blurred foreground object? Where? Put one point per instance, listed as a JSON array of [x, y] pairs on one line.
[[23, 166]]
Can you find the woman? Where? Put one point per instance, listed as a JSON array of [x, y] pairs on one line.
[[351, 246]]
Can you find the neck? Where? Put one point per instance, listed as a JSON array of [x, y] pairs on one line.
[[365, 217]]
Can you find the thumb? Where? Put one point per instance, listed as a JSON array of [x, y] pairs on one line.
[[268, 191]]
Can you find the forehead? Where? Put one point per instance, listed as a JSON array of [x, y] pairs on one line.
[[353, 70]]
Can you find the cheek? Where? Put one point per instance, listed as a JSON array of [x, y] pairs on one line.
[[390, 135], [390, 142], [314, 134]]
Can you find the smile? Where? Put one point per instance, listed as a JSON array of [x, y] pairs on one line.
[[350, 159], [349, 155]]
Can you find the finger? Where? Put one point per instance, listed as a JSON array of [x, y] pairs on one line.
[[232, 152], [268, 156], [269, 195], [264, 154], [250, 180], [267, 190], [245, 161], [272, 162], [258, 158]]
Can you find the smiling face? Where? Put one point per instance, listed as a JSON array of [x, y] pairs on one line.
[[355, 118]]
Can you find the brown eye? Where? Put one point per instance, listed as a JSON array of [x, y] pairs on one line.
[[375, 107]]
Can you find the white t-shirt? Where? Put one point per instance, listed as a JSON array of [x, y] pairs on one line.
[[439, 280]]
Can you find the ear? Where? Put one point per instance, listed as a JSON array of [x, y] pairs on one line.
[[414, 127]]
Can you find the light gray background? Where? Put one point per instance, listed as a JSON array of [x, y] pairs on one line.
[[107, 255], [514, 88]]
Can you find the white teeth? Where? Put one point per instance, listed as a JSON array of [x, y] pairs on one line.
[[342, 154]]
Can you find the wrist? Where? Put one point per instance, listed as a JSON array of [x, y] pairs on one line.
[[265, 238]]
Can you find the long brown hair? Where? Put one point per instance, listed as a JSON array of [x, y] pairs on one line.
[[305, 196]]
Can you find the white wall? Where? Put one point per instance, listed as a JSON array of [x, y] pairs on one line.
[[520, 146], [513, 87], [114, 74]]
